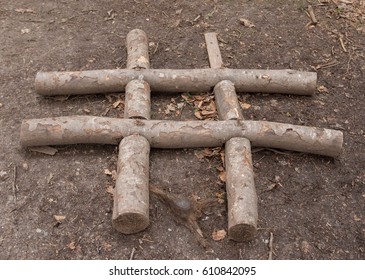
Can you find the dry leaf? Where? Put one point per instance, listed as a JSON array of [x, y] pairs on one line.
[[245, 106], [246, 22], [110, 190], [106, 246], [322, 89], [44, 150], [198, 115], [222, 176], [218, 235], [107, 172], [117, 103], [71, 245], [59, 218]]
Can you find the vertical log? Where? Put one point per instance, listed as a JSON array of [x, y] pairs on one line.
[[137, 50], [227, 102], [137, 100], [241, 192], [131, 193]]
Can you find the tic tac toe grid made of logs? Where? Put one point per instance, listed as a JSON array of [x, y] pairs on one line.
[[136, 133]]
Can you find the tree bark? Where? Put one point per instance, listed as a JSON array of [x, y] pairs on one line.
[[180, 134], [131, 193], [183, 80]]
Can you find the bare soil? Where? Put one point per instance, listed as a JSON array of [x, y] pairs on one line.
[[59, 207]]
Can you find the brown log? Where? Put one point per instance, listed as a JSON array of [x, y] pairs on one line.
[[137, 100], [227, 102], [131, 193], [241, 192], [214, 54], [183, 80], [180, 134], [137, 50]]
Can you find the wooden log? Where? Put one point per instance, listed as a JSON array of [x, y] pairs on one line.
[[227, 102], [241, 192], [214, 54], [137, 50], [180, 134], [137, 100], [131, 193], [183, 80]]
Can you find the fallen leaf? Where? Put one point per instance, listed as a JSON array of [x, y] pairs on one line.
[[59, 218], [106, 246], [222, 176], [218, 235], [25, 30], [245, 106], [305, 246], [198, 115], [246, 22], [322, 89], [71, 245], [107, 172], [110, 190], [44, 150], [117, 103]]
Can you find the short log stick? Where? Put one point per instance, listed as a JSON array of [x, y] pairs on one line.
[[183, 80], [180, 134], [131, 193], [137, 50], [241, 192], [227, 102]]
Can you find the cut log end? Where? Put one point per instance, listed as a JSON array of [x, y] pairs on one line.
[[129, 223], [242, 232]]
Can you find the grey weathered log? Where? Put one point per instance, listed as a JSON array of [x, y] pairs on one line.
[[227, 102], [131, 193], [214, 54], [137, 50], [168, 80], [137, 100], [180, 134], [241, 192]]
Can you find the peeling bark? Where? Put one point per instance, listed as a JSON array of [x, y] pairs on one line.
[[131, 193], [180, 134], [168, 80]]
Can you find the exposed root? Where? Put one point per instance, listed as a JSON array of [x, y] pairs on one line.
[[187, 210]]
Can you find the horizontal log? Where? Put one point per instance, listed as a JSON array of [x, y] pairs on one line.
[[180, 134], [183, 80]]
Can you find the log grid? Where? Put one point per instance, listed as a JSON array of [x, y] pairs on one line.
[[137, 133]]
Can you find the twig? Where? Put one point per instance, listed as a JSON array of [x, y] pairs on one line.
[[14, 185], [270, 245], [132, 254], [342, 44], [312, 15]]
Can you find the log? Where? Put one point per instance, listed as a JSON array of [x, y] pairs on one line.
[[241, 192], [131, 193], [180, 134], [137, 50], [214, 54], [227, 102], [137, 100], [183, 80]]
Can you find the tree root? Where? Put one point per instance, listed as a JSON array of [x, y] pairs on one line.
[[187, 211]]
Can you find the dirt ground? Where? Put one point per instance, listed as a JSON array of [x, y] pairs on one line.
[[60, 206]]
